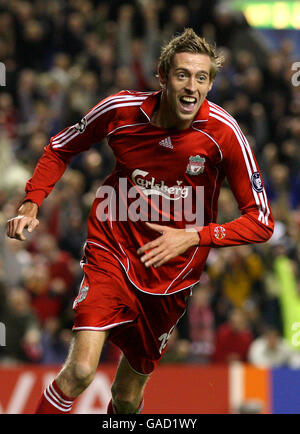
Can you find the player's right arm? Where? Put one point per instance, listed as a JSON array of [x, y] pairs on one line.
[[54, 161], [49, 169]]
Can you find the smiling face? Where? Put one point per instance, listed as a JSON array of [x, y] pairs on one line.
[[185, 89]]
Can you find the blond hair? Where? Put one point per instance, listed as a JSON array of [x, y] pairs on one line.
[[188, 42]]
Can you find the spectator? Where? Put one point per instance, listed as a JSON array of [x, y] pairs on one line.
[[22, 329], [54, 342], [237, 271], [201, 320], [270, 350], [233, 339], [50, 279]]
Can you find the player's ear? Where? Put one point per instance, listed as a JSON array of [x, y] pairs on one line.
[[210, 85], [161, 77]]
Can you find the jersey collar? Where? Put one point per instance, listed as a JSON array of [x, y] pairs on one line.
[[148, 106]]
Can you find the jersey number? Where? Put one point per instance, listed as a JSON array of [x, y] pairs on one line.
[[164, 339]]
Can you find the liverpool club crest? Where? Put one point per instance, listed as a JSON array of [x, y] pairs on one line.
[[81, 295], [196, 165]]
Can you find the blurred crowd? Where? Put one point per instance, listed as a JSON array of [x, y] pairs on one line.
[[61, 58]]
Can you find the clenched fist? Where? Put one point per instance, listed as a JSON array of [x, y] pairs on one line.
[[26, 219]]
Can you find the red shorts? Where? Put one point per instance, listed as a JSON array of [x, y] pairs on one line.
[[140, 324]]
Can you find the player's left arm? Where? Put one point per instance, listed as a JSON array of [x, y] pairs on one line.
[[256, 224]]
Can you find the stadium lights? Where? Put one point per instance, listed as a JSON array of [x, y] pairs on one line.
[[270, 14]]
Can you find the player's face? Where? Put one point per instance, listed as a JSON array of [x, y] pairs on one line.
[[186, 87]]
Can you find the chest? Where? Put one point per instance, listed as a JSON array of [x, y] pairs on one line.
[[189, 156]]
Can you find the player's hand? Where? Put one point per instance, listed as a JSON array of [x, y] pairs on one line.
[[26, 219], [171, 243]]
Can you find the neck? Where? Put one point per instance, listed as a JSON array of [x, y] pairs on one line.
[[164, 117]]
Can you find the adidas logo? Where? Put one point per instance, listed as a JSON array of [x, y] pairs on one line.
[[166, 143]]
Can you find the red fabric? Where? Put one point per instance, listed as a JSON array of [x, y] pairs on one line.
[[46, 306], [110, 408], [54, 401], [46, 301], [9, 122], [144, 161], [231, 343], [140, 324], [53, 221], [202, 322], [60, 268]]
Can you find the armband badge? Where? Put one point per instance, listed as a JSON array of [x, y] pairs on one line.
[[220, 232], [81, 126], [256, 182]]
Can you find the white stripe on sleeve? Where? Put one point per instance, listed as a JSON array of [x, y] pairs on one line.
[[260, 198]]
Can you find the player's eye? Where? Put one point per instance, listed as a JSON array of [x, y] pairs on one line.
[[181, 75]]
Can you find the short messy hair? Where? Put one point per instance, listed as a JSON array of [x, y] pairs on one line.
[[188, 42]]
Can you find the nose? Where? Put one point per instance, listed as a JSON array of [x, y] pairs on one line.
[[191, 85]]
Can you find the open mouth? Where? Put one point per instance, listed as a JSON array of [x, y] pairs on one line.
[[187, 103]]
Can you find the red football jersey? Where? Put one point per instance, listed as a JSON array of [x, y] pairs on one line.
[[165, 176]]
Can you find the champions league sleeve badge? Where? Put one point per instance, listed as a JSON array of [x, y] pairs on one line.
[[80, 126], [195, 165], [256, 182]]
